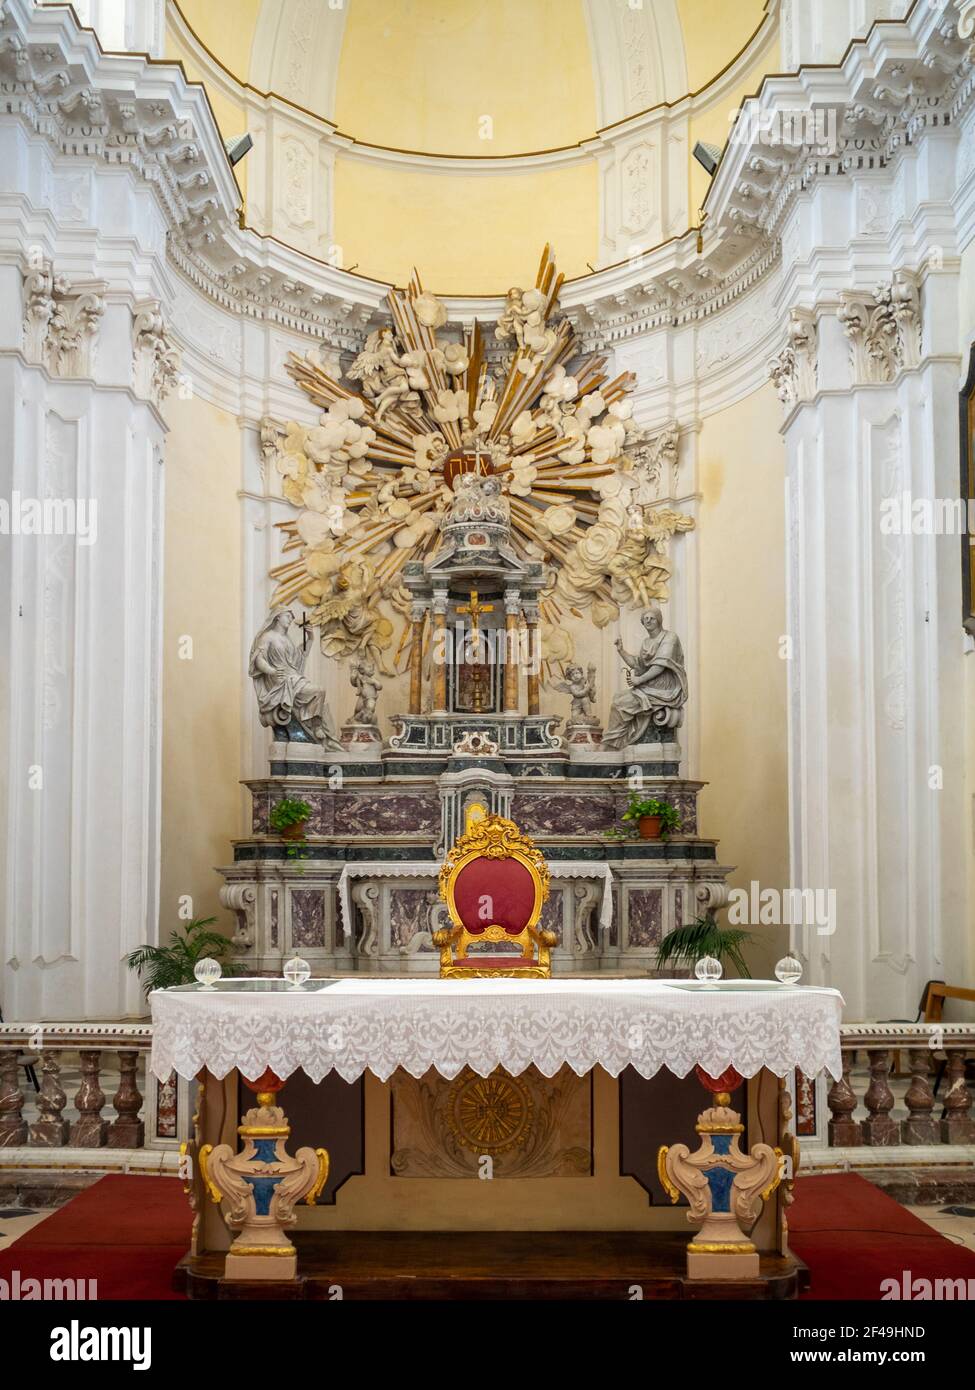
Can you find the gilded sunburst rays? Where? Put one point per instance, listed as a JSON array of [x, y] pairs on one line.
[[369, 486]]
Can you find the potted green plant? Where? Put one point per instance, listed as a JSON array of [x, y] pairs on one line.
[[653, 818], [160, 967], [683, 947], [288, 817]]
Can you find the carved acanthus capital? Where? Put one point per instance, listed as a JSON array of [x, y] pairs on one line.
[[61, 321], [882, 328], [794, 370], [155, 360], [271, 436]]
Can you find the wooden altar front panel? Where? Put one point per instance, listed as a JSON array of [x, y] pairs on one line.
[[630, 1118]]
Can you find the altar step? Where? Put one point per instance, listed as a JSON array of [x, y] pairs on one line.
[[491, 1265]]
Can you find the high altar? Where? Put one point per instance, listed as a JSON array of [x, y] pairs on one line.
[[507, 502], [480, 502]]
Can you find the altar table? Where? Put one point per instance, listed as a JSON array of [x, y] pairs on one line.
[[577, 1098]]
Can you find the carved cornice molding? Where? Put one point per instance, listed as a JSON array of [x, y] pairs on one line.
[[906, 77], [61, 321], [121, 110]]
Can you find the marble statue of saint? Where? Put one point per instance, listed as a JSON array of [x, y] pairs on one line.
[[581, 685], [362, 675], [658, 686], [285, 696]]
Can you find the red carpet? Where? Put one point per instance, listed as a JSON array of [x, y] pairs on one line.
[[130, 1232], [853, 1236]]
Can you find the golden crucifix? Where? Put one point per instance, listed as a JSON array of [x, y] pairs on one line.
[[475, 608]]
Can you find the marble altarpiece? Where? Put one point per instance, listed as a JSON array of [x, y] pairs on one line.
[[460, 506]]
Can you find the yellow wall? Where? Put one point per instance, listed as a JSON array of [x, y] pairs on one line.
[[743, 678], [714, 32], [467, 235], [420, 74], [226, 28], [201, 697]]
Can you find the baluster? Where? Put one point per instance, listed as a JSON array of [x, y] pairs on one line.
[[50, 1130], [920, 1127], [957, 1125], [89, 1130], [878, 1128], [128, 1131], [842, 1130], [13, 1126]]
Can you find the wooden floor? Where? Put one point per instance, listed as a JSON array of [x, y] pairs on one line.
[[490, 1265]]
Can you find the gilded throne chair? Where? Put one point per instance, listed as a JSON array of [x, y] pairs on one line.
[[495, 883]]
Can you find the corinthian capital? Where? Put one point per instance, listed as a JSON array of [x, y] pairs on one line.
[[61, 321], [883, 328], [794, 370], [156, 360]]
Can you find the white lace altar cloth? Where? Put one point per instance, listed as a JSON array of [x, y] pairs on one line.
[[385, 868], [355, 1025]]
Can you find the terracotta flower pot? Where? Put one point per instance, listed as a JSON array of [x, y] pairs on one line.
[[294, 832], [649, 827]]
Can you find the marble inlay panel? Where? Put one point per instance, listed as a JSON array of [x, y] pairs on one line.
[[644, 917], [409, 915], [564, 813], [273, 917], [551, 918], [360, 813], [307, 917]]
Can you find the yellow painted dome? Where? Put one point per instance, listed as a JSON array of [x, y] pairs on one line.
[[474, 77]]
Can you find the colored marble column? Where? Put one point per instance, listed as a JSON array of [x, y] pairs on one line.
[[440, 651], [416, 660], [532, 656], [512, 612]]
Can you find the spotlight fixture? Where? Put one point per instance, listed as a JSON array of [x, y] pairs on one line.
[[708, 156], [238, 147]]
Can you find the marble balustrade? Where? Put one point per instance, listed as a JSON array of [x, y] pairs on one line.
[[86, 1086]]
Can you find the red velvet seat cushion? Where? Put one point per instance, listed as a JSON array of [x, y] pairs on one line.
[[480, 960], [488, 891]]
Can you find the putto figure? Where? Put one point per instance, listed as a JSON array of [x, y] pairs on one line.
[[288, 702], [581, 685], [362, 676], [658, 686]]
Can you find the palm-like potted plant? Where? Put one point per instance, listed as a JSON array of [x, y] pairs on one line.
[[160, 967], [683, 947], [653, 818]]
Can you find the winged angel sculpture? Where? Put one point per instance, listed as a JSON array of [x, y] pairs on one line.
[[371, 481]]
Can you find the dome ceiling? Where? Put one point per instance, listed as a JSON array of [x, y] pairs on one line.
[[474, 77]]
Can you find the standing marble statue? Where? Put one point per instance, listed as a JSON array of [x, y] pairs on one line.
[[581, 685], [288, 702], [657, 692], [362, 676]]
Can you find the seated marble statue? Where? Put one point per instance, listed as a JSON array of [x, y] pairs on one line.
[[658, 687], [288, 702]]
